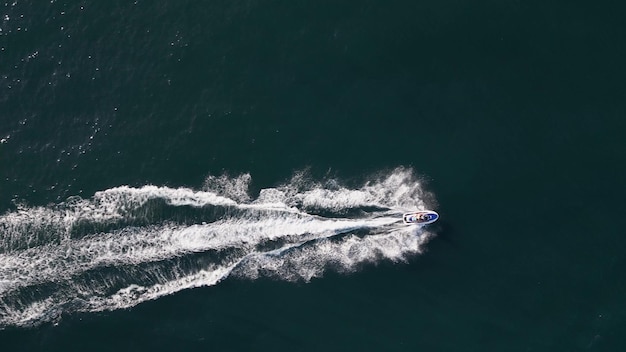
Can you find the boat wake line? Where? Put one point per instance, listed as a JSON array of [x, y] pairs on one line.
[[128, 245]]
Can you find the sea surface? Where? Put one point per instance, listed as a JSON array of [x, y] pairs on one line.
[[230, 175]]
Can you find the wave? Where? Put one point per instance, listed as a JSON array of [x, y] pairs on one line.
[[128, 245]]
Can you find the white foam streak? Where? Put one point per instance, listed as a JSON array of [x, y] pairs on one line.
[[128, 296], [127, 198], [345, 256]]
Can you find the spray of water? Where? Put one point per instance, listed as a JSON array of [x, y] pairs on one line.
[[128, 245]]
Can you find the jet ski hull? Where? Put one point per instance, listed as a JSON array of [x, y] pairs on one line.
[[423, 217]]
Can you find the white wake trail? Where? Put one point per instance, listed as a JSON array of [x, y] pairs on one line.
[[128, 245]]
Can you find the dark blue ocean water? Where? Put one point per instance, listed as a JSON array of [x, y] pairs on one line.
[[230, 175]]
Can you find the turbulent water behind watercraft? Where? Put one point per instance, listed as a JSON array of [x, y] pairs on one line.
[[128, 245]]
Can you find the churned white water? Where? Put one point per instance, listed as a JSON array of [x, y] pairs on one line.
[[107, 253]]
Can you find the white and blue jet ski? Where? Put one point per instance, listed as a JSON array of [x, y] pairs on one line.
[[423, 217]]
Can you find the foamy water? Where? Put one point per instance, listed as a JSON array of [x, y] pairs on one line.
[[128, 245]]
